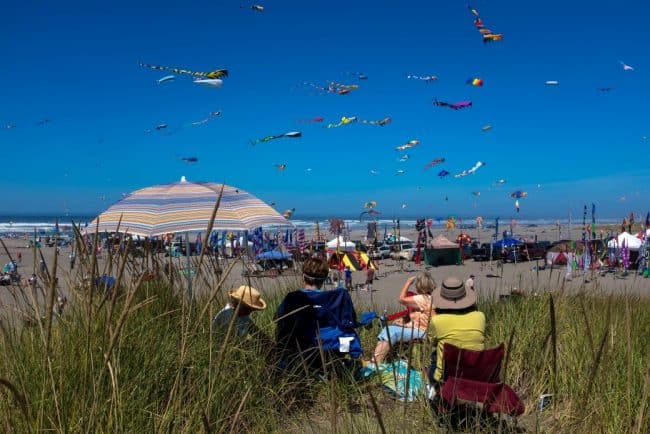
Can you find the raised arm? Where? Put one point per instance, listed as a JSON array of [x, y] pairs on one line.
[[406, 299]]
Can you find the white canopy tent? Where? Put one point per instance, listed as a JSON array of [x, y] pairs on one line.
[[632, 242], [346, 246]]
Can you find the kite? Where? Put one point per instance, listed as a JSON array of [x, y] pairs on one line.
[[404, 205], [518, 194], [206, 120], [287, 214], [258, 8], [625, 67], [487, 34], [370, 205], [380, 122], [476, 193], [161, 127], [517, 205], [501, 181], [486, 128], [475, 82], [604, 89], [428, 78], [358, 75], [400, 172], [190, 159], [209, 82], [551, 82], [333, 87], [316, 119], [290, 134], [281, 167], [409, 144], [374, 172], [453, 105], [344, 121], [450, 224], [404, 158], [167, 79], [217, 73], [443, 173], [10, 126], [464, 173], [433, 163]]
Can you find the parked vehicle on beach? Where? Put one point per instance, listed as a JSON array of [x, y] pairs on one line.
[[526, 252], [382, 251]]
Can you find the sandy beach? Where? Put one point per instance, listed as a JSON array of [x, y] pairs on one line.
[[491, 278]]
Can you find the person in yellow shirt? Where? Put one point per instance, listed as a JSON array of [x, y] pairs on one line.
[[457, 321]]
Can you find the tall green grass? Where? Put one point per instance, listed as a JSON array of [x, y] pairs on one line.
[[143, 359]]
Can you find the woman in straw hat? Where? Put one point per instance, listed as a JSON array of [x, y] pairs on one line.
[[417, 323], [243, 301], [457, 321]]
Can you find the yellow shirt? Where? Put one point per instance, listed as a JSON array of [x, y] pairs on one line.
[[463, 331]]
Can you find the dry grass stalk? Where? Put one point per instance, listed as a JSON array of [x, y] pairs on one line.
[[377, 412]]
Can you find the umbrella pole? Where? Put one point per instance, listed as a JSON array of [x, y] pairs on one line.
[[188, 266]]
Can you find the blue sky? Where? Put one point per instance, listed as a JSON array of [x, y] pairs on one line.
[[76, 63]]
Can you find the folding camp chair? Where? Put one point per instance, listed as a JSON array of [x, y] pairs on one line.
[[473, 379]]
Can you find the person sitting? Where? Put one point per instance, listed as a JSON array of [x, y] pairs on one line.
[[416, 325], [243, 301], [457, 321], [309, 319]]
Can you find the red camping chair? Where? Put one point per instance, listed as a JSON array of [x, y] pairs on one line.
[[474, 377]]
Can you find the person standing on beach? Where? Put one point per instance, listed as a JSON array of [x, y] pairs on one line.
[[20, 257], [348, 278], [370, 276]]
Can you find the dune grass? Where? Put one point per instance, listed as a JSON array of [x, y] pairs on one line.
[[143, 359]]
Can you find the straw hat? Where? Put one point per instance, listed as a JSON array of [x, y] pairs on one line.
[[248, 295], [453, 295]]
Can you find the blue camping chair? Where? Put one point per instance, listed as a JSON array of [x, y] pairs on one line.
[[308, 321]]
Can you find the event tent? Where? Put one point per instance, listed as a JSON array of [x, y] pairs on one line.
[[632, 242], [341, 244]]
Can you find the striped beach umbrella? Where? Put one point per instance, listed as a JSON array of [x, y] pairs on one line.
[[185, 206]]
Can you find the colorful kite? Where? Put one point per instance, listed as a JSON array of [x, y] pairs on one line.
[[381, 122], [290, 134], [312, 120], [332, 87], [167, 79], [280, 167], [370, 205], [433, 163], [475, 82], [217, 73], [443, 173], [464, 173], [216, 83], [453, 105], [518, 194], [487, 34], [428, 78], [409, 144], [287, 214], [625, 67], [344, 121]]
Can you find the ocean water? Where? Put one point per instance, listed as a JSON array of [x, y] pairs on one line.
[[46, 224]]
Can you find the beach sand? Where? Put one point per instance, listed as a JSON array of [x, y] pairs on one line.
[[491, 279]]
